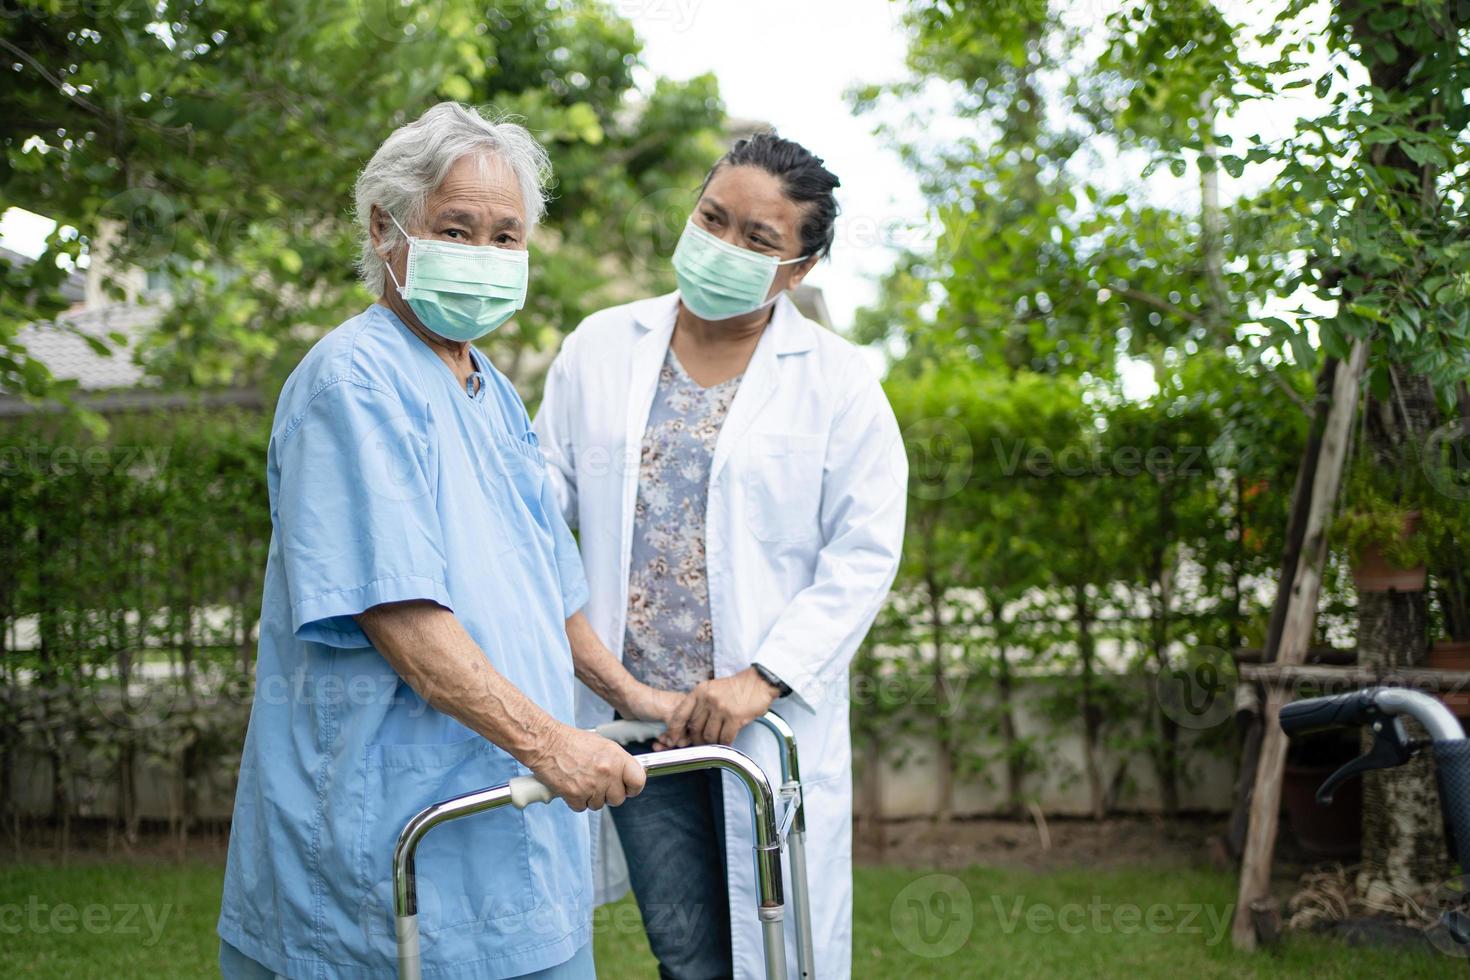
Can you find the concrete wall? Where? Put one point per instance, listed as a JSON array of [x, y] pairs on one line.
[[908, 778]]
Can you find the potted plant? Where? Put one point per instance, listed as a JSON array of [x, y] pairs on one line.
[[1380, 524]]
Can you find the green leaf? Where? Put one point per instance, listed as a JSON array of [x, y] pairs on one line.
[[457, 88]]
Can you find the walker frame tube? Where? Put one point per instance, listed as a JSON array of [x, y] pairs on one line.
[[524, 790], [793, 824], [795, 841]]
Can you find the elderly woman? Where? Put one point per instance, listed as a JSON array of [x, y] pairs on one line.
[[420, 627], [739, 483]]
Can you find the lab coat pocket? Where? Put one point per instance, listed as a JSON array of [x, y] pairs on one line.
[[475, 869], [783, 486]]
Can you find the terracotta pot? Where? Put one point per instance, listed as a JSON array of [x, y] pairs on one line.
[[1373, 572], [1452, 655]]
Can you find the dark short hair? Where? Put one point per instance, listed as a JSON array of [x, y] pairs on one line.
[[804, 181]]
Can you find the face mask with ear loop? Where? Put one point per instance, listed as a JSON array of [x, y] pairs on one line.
[[718, 280], [462, 292]]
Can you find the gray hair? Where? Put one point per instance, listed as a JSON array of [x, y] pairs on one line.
[[415, 159]]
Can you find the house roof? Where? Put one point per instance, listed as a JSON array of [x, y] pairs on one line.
[[61, 348], [61, 344], [73, 289]]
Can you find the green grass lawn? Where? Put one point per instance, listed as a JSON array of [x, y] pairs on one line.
[[977, 923]]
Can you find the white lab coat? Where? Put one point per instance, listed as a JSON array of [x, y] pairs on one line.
[[802, 534]]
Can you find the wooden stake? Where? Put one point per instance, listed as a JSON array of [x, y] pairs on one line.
[[1296, 526], [1296, 638]]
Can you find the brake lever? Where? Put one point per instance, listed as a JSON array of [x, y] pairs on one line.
[[1391, 747]]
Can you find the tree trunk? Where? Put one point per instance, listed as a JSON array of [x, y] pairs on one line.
[[1005, 695], [943, 735], [873, 794], [1212, 224], [1404, 850], [1015, 772], [1160, 609], [1091, 712]]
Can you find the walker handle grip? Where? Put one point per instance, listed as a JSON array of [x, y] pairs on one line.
[[525, 790], [626, 731]]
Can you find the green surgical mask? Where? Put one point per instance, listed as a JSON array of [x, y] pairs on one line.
[[718, 280], [462, 292]]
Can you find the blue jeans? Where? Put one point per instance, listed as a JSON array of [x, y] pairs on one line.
[[673, 834]]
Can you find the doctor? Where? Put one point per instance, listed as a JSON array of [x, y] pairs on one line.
[[738, 480]]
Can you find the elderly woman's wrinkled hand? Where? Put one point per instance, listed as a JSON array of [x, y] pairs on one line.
[[587, 770]]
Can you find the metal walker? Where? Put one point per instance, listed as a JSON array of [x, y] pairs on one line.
[[771, 835]]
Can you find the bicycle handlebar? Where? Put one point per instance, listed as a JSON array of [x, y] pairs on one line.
[[1356, 708], [1384, 707]]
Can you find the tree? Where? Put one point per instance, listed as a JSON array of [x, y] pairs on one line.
[[1049, 261], [216, 146]]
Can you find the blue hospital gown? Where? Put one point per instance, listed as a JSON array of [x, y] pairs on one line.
[[389, 482]]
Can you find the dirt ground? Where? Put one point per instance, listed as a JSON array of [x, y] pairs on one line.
[[1121, 841], [1073, 843]]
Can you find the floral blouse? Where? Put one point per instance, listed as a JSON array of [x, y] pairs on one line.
[[669, 642]]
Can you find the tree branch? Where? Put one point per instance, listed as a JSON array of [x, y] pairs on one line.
[[1157, 302], [57, 83]]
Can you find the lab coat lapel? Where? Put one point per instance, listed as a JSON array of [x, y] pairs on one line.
[[761, 377]]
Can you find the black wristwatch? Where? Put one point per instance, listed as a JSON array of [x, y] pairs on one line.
[[782, 688]]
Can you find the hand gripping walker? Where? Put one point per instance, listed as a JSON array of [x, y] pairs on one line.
[[522, 791], [791, 828]]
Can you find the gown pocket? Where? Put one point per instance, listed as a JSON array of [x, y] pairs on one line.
[[473, 870]]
